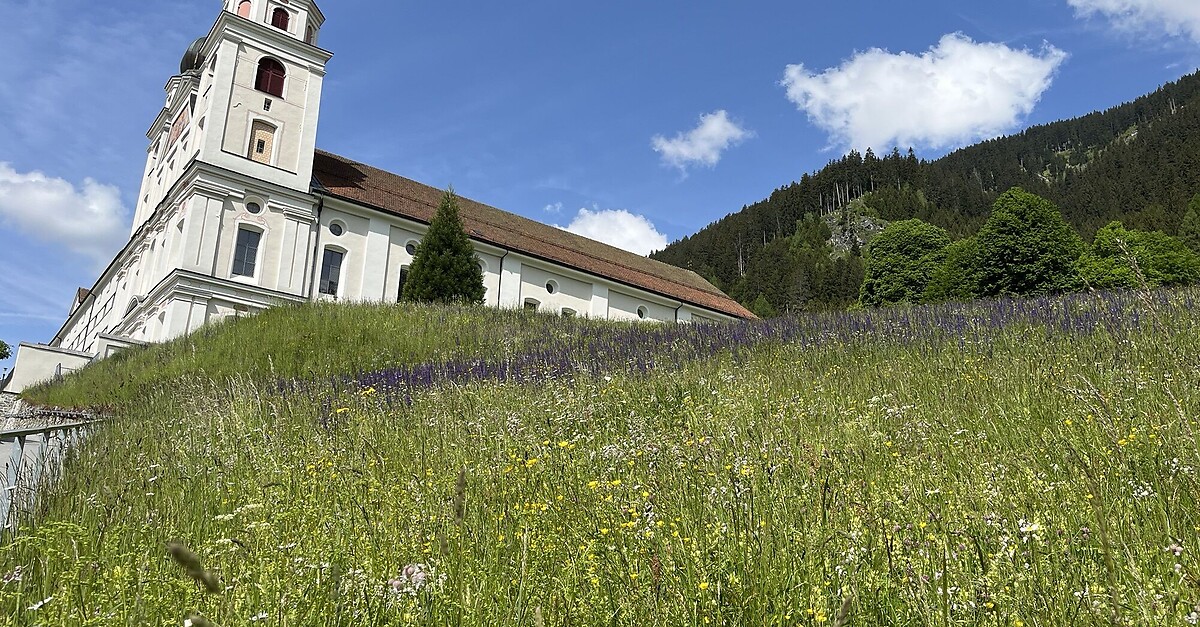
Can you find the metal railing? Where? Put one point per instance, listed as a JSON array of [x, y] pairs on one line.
[[33, 458]]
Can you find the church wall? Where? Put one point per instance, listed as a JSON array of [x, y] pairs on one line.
[[353, 243], [568, 293], [490, 264], [624, 306], [399, 236]]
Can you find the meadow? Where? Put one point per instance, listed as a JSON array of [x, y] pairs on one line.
[[1010, 463]]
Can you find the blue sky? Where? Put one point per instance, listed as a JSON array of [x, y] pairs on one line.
[[639, 122]]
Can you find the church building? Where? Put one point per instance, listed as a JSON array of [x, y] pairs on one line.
[[239, 211]]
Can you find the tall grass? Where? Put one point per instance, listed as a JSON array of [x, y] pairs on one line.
[[1007, 463]]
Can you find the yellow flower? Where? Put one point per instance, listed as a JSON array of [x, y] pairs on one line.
[[615, 482], [530, 463], [342, 410], [704, 585]]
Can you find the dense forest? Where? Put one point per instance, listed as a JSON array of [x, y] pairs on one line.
[[803, 247]]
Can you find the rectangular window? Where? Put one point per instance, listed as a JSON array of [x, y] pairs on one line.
[[331, 272], [245, 253]]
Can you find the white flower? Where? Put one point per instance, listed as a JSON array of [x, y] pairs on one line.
[[40, 604]]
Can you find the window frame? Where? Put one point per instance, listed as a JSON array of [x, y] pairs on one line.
[[250, 143], [256, 263], [323, 281], [287, 19], [265, 77]]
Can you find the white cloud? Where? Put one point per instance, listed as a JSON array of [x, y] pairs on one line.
[[555, 208], [1174, 17], [618, 227], [702, 145], [957, 92], [88, 221]]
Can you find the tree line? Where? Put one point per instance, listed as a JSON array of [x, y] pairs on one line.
[[1137, 164]]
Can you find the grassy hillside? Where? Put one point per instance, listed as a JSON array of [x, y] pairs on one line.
[[1002, 463]]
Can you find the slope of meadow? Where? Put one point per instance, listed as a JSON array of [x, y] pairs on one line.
[[1002, 463]]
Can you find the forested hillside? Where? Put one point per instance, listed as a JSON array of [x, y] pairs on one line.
[[1138, 163]]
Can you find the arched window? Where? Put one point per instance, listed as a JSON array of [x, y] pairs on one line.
[[403, 280], [309, 34], [280, 19], [262, 142], [270, 77], [331, 272], [244, 8]]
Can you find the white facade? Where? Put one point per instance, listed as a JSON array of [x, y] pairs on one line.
[[230, 164]]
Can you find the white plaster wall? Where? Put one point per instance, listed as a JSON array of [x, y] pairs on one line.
[[623, 305], [571, 293], [399, 235], [36, 363], [353, 242], [490, 264]]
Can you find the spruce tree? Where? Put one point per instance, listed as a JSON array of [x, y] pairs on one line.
[[444, 269]]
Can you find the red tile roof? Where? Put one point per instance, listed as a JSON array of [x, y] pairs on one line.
[[340, 177]]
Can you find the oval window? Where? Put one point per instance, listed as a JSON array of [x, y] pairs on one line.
[[337, 229], [551, 287], [254, 208], [641, 312], [411, 248]]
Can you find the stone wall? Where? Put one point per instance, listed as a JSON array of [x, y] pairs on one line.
[[8, 403]]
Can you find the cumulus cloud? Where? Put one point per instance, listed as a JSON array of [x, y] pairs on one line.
[[618, 227], [702, 145], [1174, 17], [88, 221], [955, 93]]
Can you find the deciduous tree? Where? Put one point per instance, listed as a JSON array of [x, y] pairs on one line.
[[900, 262], [1118, 256], [1026, 247]]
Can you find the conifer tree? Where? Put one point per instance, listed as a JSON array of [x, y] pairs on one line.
[[3, 350], [445, 269]]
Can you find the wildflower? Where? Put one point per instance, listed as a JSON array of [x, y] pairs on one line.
[[412, 579], [704, 585]]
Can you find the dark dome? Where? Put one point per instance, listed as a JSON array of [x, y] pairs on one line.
[[193, 59]]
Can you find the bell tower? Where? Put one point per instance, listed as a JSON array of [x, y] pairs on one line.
[[247, 99]]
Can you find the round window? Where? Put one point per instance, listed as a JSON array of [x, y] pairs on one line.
[[254, 208], [641, 312], [551, 287], [336, 229], [411, 248]]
